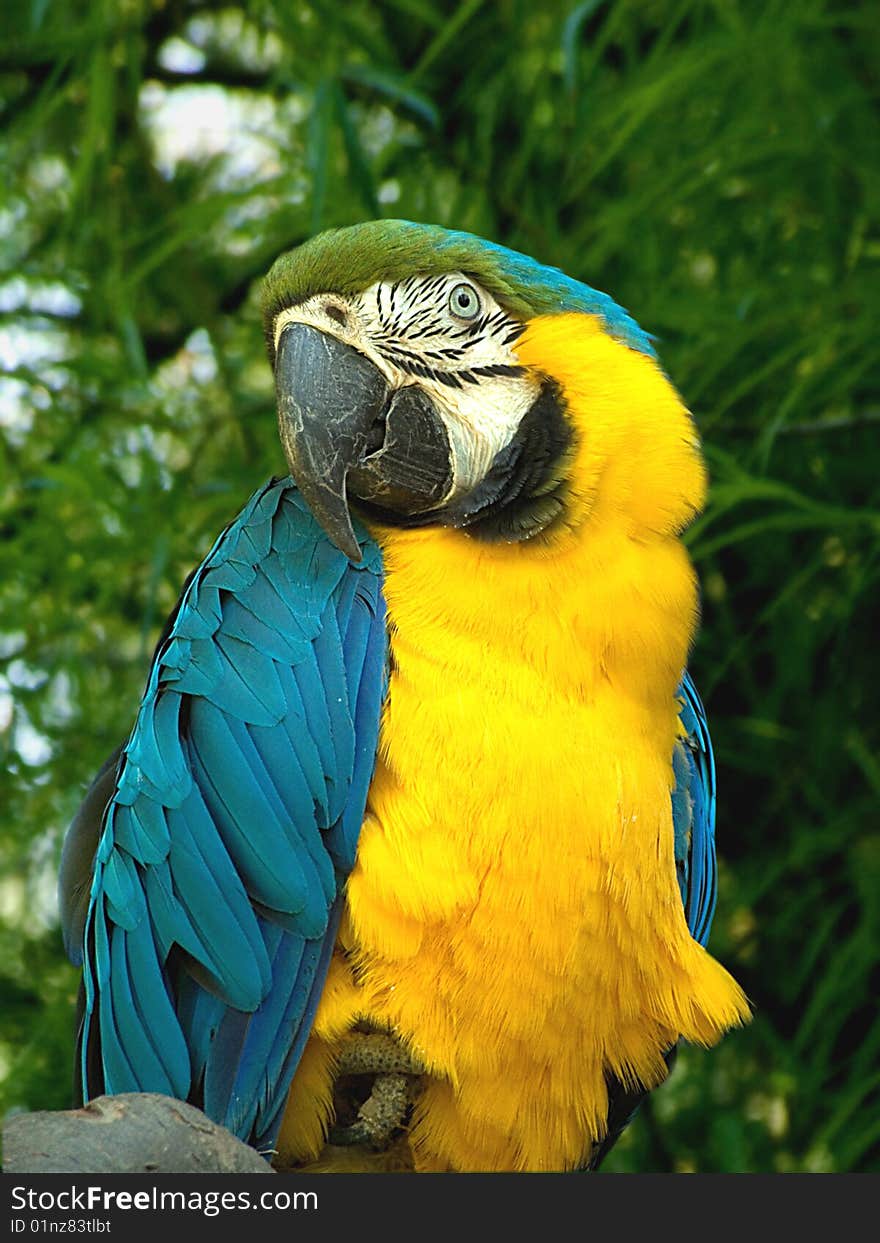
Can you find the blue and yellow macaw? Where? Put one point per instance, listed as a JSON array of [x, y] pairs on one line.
[[419, 787]]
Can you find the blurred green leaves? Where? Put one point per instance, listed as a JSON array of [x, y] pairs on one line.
[[713, 166]]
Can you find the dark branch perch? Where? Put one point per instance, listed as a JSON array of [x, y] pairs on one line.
[[134, 1133]]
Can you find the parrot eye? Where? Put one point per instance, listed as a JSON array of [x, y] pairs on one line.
[[464, 302]]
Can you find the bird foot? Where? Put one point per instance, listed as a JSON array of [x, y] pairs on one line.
[[394, 1088]]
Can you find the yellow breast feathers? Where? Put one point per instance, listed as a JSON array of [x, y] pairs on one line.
[[514, 915]]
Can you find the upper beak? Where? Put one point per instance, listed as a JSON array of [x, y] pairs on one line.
[[344, 429], [329, 398]]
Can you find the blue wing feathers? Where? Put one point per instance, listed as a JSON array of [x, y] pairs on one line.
[[303, 745], [329, 659], [693, 814], [301, 834], [153, 1000], [210, 902], [122, 892], [283, 1012], [284, 1056], [355, 628], [175, 926], [317, 718], [244, 1065], [237, 803], [279, 757], [139, 833], [257, 619], [132, 1000], [368, 652], [345, 600], [215, 897]]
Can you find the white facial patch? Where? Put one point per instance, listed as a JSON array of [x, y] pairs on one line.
[[450, 337]]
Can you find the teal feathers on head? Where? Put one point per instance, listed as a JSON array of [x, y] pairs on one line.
[[351, 259]]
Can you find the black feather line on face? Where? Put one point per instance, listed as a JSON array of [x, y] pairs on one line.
[[410, 311], [412, 366], [499, 369], [431, 329], [424, 372]]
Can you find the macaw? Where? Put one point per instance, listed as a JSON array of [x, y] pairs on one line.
[[419, 788]]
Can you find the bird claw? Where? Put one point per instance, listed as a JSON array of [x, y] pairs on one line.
[[379, 1116], [395, 1086]]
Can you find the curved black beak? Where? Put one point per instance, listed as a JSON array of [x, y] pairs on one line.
[[329, 398], [344, 429]]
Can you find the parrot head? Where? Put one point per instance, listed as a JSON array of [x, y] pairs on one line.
[[404, 386]]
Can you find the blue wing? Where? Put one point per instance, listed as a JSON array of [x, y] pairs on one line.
[[693, 814], [233, 822]]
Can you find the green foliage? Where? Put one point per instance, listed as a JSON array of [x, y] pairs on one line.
[[712, 164]]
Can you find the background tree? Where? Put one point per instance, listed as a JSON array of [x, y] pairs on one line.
[[712, 164]]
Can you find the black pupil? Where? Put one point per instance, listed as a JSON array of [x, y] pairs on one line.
[[464, 299]]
